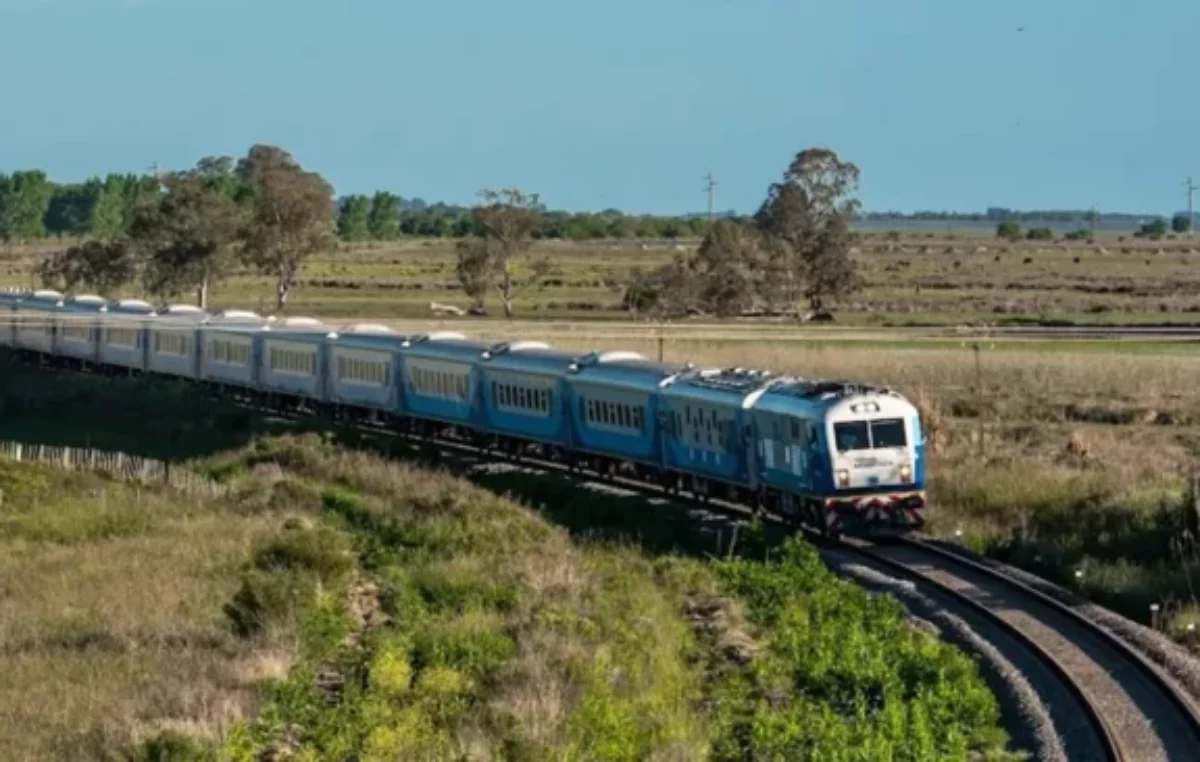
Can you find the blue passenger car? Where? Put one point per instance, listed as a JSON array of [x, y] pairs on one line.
[[523, 394], [708, 435], [35, 321], [8, 315], [78, 327], [439, 377], [175, 341], [614, 407], [362, 367], [123, 334], [293, 357], [230, 348]]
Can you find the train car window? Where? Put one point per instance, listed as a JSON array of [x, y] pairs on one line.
[[851, 435], [888, 433], [795, 431]]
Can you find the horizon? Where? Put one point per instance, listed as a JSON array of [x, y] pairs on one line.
[[941, 106]]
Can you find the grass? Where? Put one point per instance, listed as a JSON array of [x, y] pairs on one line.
[[935, 278], [110, 617], [368, 607]]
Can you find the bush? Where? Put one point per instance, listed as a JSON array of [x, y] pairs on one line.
[[322, 551], [266, 600], [1009, 229], [1040, 234]]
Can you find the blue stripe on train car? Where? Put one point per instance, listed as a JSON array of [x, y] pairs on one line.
[[440, 378], [708, 428], [614, 405], [522, 393], [363, 367]]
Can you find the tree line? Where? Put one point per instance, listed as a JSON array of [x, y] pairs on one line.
[[189, 229], [386, 217], [794, 250], [32, 208], [184, 231]]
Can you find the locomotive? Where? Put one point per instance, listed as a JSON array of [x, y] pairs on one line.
[[841, 457]]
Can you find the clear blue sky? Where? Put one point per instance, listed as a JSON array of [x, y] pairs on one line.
[[623, 103]]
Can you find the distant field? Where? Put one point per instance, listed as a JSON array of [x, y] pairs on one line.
[[930, 278]]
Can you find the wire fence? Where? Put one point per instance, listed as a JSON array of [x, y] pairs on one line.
[[120, 466]]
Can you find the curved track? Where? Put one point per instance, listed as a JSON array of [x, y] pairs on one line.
[[1136, 712]]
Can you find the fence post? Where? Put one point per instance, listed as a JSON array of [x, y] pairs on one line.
[[1192, 519]]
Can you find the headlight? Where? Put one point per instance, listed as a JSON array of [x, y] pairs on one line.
[[843, 477], [906, 473]]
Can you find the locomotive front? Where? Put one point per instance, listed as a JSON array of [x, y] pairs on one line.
[[877, 460]]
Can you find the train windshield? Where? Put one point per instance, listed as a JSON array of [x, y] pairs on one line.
[[870, 435]]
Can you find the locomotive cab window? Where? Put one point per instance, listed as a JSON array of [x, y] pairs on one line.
[[873, 435], [852, 435], [888, 433]]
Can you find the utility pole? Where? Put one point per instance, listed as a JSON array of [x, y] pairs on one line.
[[1191, 188], [1095, 221], [710, 185]]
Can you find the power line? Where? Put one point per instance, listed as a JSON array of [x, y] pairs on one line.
[[710, 186], [1191, 188]]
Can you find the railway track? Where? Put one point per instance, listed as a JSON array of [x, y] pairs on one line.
[[1107, 701], [1118, 705]]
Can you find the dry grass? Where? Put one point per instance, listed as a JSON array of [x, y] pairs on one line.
[[109, 636], [919, 278]]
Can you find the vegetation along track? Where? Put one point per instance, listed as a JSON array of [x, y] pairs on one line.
[[1136, 713]]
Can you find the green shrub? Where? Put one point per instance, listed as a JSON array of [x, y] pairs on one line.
[[265, 600], [324, 552]]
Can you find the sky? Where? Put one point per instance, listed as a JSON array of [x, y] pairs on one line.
[[942, 104]]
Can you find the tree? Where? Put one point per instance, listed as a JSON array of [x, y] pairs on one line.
[[186, 235], [726, 269], [1009, 230], [666, 292], [507, 221], [71, 208], [219, 175], [354, 219], [101, 266], [24, 200], [805, 222], [1181, 223], [107, 218], [1155, 229], [384, 219], [290, 215], [1039, 234]]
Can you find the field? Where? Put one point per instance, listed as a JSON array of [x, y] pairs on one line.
[[331, 603], [1071, 458], [931, 278]]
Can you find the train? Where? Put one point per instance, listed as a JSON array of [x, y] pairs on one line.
[[840, 457]]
